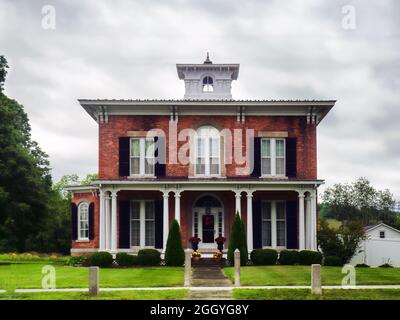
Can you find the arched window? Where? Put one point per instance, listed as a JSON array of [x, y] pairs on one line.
[[208, 84], [83, 221], [207, 150]]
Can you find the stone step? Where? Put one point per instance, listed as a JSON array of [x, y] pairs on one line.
[[210, 294], [211, 283]]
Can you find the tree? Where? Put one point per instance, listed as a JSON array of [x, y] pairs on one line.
[[238, 241], [342, 242], [174, 254], [3, 72]]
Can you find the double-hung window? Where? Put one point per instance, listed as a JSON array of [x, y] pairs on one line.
[[273, 224], [142, 156], [83, 221], [207, 147], [273, 157], [142, 224]]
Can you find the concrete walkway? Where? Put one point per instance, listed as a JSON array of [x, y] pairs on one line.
[[208, 288]]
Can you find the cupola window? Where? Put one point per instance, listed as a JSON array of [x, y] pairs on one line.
[[208, 84]]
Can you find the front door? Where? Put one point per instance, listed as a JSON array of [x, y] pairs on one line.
[[208, 228]]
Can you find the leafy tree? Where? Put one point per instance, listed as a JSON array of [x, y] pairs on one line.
[[174, 254], [238, 241], [3, 72], [343, 242]]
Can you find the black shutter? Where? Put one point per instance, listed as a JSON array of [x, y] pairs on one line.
[[256, 157], [291, 224], [124, 156], [159, 157], [257, 225], [291, 157], [124, 224], [159, 224], [74, 221], [91, 221]]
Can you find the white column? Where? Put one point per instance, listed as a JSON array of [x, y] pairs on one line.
[[102, 239], [249, 221], [108, 223], [165, 219], [308, 224], [114, 221], [301, 221], [313, 213], [178, 206], [237, 203]]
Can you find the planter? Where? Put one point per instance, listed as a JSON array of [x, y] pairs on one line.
[[195, 246], [220, 246]]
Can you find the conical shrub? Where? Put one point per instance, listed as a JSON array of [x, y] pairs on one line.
[[238, 241], [174, 254]]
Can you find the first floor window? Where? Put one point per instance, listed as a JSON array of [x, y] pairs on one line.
[[142, 156], [273, 157], [273, 224], [83, 221], [142, 224]]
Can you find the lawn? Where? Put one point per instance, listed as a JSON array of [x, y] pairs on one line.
[[301, 275], [178, 294], [302, 294], [29, 275]]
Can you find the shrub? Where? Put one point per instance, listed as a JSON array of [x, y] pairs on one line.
[[308, 257], [288, 257], [126, 260], [362, 265], [238, 241], [101, 259], [174, 254], [76, 260], [264, 256], [333, 261], [149, 257], [386, 265]]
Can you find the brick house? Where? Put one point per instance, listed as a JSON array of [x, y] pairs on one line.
[[200, 160]]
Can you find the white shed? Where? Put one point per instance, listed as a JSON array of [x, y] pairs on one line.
[[382, 245]]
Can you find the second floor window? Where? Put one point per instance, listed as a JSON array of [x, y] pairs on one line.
[[207, 148], [273, 157], [142, 156]]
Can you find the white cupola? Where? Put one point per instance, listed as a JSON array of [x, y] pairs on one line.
[[208, 80]]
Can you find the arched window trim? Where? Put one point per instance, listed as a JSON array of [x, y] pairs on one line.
[[207, 148], [208, 83], [80, 220]]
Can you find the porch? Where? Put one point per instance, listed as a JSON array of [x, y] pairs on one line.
[[276, 214]]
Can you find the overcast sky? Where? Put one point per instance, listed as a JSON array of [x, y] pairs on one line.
[[286, 50]]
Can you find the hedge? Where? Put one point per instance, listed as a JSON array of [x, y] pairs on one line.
[[264, 256]]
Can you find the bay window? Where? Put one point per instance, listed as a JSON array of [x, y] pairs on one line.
[[273, 157]]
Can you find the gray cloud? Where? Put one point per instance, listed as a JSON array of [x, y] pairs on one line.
[[290, 49]]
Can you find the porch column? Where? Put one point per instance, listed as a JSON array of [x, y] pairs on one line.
[[249, 221], [301, 221], [237, 202], [102, 222], [108, 223], [178, 206], [308, 223], [114, 221], [313, 214], [165, 219]]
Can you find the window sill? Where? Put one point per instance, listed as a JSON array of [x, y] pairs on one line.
[[273, 177], [206, 177], [82, 240], [142, 176]]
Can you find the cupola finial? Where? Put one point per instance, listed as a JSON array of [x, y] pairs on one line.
[[208, 61]]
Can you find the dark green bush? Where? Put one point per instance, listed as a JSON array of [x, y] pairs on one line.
[[149, 257], [174, 254], [76, 260], [238, 241], [386, 265], [126, 260], [333, 261], [101, 259], [308, 257], [264, 256], [288, 257], [362, 265]]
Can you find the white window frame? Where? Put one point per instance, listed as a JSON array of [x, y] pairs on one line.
[[142, 157], [274, 231], [207, 155], [273, 157], [80, 220], [142, 224]]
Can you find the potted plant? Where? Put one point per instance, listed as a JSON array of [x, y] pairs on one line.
[[220, 242], [195, 242], [217, 255], [196, 255]]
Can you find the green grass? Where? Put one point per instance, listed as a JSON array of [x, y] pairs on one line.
[[301, 275], [30, 276], [178, 294], [302, 294]]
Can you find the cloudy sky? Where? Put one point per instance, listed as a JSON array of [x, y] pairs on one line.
[[287, 50]]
